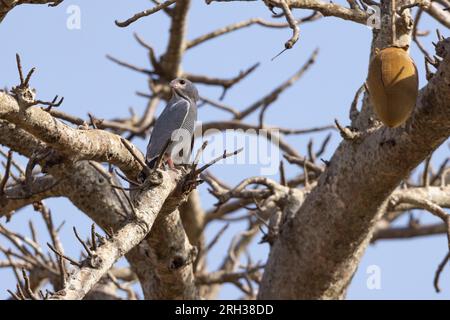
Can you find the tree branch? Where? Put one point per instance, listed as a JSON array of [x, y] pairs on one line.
[[148, 205], [76, 144], [334, 225], [8, 5]]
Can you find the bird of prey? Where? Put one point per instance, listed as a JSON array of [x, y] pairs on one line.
[[175, 126]]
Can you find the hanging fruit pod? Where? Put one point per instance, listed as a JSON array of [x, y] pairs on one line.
[[393, 85]]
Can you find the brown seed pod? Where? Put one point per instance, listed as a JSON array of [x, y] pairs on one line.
[[393, 85]]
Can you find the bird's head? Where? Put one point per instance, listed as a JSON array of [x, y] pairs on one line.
[[185, 89]]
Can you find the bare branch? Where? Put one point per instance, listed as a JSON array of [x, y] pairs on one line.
[[8, 5], [245, 24], [145, 13], [148, 204], [96, 145], [273, 95], [325, 8]]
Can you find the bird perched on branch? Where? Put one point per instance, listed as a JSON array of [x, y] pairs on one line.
[[173, 132]]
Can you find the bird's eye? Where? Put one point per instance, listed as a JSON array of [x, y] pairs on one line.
[[182, 82]]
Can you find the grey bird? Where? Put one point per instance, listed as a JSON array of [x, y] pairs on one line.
[[176, 123]]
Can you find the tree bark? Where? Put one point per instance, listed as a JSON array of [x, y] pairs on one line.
[[318, 251]]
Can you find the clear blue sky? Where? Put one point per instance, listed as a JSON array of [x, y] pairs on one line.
[[72, 63]]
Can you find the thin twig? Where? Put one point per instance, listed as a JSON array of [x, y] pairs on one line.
[[439, 271], [145, 13], [59, 254], [7, 173]]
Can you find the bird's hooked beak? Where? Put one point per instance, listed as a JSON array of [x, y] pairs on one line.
[[175, 85], [177, 89]]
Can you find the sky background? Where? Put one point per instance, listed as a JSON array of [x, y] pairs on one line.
[[72, 63]]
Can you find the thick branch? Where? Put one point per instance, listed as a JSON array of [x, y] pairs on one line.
[[148, 205], [76, 144], [8, 5], [437, 195], [325, 8], [19, 195], [168, 271], [409, 232], [92, 193], [328, 235], [171, 61], [436, 11]]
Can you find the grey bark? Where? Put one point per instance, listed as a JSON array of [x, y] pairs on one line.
[[318, 251]]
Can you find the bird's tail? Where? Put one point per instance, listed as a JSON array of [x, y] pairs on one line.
[[152, 162]]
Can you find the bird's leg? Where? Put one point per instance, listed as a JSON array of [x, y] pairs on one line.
[[170, 163]]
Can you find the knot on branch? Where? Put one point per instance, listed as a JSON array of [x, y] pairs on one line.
[[25, 95], [348, 133], [393, 201], [94, 261], [443, 47], [181, 260], [155, 178]]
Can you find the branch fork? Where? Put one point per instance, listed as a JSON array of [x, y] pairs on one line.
[[25, 95]]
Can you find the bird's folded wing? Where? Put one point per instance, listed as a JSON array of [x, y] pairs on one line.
[[171, 119]]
